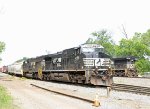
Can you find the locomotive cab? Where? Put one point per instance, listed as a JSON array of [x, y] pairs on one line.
[[94, 57], [97, 64]]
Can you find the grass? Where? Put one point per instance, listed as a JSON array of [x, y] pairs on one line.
[[6, 101], [12, 77]]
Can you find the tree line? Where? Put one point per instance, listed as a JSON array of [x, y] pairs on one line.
[[138, 46]]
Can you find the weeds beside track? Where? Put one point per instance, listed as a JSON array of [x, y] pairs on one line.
[[6, 101]]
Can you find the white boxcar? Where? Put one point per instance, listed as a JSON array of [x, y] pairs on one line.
[[15, 68]]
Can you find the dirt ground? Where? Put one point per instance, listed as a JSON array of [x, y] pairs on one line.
[[28, 97]]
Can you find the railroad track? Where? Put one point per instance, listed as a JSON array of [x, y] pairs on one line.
[[132, 88], [132, 77]]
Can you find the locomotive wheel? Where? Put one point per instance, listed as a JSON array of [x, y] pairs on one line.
[[49, 77], [135, 74], [34, 76], [129, 74], [24, 74], [83, 81], [46, 77], [43, 77], [72, 79]]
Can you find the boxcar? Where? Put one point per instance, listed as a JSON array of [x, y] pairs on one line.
[[16, 68]]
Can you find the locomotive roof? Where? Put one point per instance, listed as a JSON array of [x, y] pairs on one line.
[[44, 56], [59, 53], [91, 46], [86, 46]]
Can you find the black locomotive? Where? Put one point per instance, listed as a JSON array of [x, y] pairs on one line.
[[124, 67], [87, 64]]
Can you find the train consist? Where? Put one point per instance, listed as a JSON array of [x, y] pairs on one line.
[[87, 64], [124, 67]]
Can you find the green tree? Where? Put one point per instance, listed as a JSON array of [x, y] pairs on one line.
[[103, 38], [143, 65], [2, 47], [131, 47], [145, 38], [138, 46]]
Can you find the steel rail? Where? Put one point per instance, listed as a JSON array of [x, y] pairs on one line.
[[64, 92], [132, 88], [132, 77]]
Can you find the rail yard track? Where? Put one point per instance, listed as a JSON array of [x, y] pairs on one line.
[[132, 88], [133, 77], [118, 87]]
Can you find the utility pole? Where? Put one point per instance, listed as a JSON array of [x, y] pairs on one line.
[[124, 32]]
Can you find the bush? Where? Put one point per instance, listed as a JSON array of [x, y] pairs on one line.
[[143, 65]]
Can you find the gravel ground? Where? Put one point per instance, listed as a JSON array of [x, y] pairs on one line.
[[28, 97], [117, 100]]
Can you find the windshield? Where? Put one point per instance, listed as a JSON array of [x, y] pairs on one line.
[[87, 49], [99, 50], [92, 49]]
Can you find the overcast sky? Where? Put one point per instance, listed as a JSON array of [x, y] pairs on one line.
[[32, 27]]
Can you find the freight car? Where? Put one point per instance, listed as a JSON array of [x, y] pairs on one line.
[[4, 69], [87, 64], [124, 67], [16, 68]]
